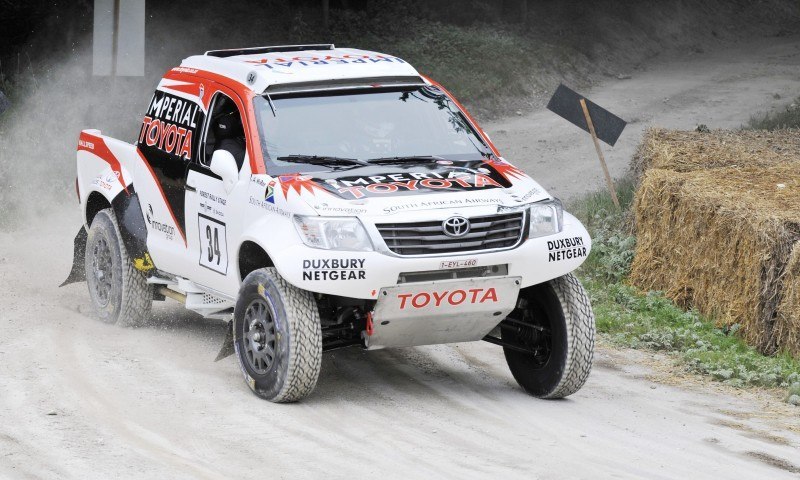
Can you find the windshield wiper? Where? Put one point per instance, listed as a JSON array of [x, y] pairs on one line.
[[321, 160], [404, 159]]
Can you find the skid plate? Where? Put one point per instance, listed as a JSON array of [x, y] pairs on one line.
[[441, 312]]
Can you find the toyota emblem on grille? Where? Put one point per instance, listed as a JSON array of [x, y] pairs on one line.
[[455, 226]]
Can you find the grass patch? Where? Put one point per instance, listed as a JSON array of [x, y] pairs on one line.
[[611, 230], [789, 117], [628, 317]]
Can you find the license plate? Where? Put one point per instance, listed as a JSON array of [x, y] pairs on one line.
[[460, 263]]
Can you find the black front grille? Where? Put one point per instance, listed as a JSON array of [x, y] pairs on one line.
[[426, 238]]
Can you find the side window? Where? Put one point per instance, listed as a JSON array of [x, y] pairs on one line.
[[224, 130]]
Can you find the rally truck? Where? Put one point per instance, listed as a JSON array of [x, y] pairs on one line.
[[317, 198]]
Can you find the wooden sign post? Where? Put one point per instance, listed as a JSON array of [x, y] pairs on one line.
[[609, 182], [599, 122]]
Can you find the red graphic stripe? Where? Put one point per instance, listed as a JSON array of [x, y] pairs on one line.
[[97, 146], [298, 183], [192, 89], [163, 197]]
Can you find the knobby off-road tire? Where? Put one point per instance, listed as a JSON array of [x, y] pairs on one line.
[[561, 306], [277, 337], [120, 294]]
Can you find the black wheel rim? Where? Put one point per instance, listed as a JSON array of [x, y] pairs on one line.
[[102, 271], [532, 331], [259, 336], [537, 334]]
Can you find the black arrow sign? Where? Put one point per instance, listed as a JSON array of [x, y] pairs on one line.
[[566, 103]]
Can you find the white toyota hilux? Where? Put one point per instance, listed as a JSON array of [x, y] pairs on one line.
[[316, 198]]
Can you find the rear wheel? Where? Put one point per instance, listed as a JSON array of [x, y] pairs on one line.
[[277, 337], [552, 334], [119, 293]]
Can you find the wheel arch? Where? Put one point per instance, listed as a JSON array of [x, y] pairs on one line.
[[95, 202], [252, 256]]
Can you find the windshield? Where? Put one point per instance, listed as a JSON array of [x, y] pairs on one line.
[[368, 125]]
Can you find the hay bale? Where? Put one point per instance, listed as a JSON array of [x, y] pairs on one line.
[[787, 324], [716, 232], [684, 151]]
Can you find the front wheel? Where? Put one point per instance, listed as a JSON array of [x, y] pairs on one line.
[[552, 331], [277, 337]]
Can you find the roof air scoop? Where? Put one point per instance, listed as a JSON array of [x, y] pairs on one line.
[[274, 49]]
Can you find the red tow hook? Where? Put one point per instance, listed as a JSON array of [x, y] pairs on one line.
[[369, 324]]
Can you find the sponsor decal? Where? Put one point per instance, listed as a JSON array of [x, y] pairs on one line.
[[106, 182], [455, 202], [258, 181], [447, 298], [269, 193], [143, 264], [270, 207], [360, 187], [334, 269], [529, 194], [301, 61], [169, 123], [168, 231], [184, 70], [460, 263], [324, 207], [211, 203], [565, 249]]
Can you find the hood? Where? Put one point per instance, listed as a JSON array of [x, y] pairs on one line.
[[387, 189]]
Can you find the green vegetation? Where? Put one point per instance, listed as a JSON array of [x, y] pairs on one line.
[[789, 117], [630, 318]]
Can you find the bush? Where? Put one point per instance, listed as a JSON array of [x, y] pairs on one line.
[[789, 117]]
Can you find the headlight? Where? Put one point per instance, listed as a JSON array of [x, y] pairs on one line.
[[546, 218], [333, 233]]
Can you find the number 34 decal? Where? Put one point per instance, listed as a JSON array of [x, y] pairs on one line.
[[213, 245]]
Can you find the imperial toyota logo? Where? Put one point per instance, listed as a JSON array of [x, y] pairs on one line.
[[455, 226]]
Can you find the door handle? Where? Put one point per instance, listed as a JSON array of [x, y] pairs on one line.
[[190, 186]]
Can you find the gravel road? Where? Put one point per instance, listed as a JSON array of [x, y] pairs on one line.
[[81, 399]]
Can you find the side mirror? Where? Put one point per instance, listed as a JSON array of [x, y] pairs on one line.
[[224, 165]]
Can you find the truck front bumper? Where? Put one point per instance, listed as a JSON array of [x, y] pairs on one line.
[[363, 274]]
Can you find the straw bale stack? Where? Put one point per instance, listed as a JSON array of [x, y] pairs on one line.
[[718, 224]]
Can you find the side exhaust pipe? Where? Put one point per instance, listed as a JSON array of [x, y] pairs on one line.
[[178, 297]]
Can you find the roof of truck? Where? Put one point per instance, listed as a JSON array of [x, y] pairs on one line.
[[261, 67]]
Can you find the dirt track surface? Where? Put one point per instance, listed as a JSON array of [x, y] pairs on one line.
[[81, 399]]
